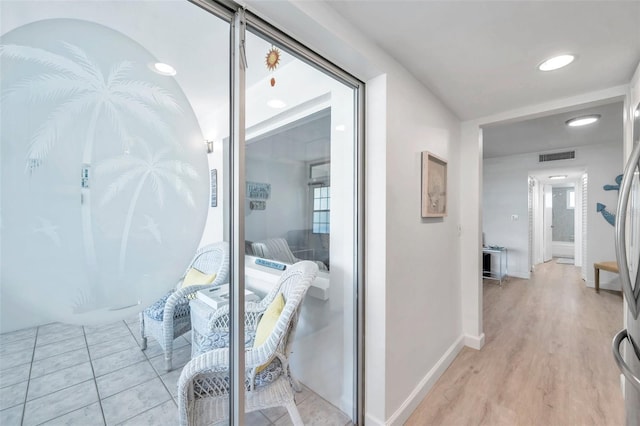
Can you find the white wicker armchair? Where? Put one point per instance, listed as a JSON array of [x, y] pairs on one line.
[[169, 317], [203, 387]]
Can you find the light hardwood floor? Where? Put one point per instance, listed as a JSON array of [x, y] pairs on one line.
[[546, 361]]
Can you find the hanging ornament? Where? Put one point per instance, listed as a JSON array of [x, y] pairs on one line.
[[272, 60]]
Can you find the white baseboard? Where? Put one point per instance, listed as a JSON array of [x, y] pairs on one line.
[[370, 420], [474, 342], [420, 392], [520, 274], [610, 285]]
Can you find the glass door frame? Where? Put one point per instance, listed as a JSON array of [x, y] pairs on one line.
[[240, 19]]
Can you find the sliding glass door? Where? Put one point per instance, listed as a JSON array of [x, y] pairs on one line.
[[138, 135], [300, 169]]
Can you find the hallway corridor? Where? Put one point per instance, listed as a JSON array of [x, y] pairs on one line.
[[547, 358]]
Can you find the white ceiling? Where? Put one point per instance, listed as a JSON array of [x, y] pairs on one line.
[[480, 57], [304, 140], [550, 133]]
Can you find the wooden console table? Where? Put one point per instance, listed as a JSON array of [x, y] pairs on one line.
[[610, 266]]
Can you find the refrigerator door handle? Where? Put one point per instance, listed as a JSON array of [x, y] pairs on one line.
[[630, 291], [624, 368]]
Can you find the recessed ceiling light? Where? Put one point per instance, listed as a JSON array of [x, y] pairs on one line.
[[583, 121], [276, 103], [163, 69], [637, 112], [341, 127], [556, 62], [558, 177]]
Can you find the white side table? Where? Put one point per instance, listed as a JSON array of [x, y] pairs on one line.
[[202, 339], [501, 253]]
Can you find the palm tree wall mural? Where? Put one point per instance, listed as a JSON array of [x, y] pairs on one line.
[[77, 84], [76, 95], [155, 170]]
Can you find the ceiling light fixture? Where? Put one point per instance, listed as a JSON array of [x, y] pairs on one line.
[[276, 103], [341, 128], [558, 177], [163, 69], [583, 120], [556, 62]]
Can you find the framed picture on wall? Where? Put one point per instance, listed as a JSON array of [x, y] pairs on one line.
[[258, 190], [434, 185], [214, 188]]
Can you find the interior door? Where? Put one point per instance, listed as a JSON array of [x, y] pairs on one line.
[[548, 223]]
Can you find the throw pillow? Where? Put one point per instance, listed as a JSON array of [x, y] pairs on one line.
[[195, 277], [267, 323]]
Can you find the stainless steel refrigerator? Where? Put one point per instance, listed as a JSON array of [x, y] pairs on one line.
[[626, 344]]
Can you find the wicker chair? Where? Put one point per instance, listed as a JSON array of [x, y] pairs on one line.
[[169, 317], [203, 387]]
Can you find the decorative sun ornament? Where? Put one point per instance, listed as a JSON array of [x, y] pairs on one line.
[[273, 58]]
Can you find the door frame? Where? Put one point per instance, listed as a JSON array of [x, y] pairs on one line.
[[241, 19], [536, 222]]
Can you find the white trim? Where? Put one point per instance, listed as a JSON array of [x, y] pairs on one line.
[[519, 274], [474, 342], [371, 420], [422, 389], [613, 285], [557, 106]]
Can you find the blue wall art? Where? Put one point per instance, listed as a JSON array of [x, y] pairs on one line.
[[602, 209]]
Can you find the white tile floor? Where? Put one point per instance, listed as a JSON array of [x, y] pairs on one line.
[[59, 374]]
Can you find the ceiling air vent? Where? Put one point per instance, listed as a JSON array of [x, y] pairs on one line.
[[567, 155]]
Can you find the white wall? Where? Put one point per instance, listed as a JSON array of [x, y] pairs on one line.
[[286, 208], [376, 246], [505, 193], [422, 254]]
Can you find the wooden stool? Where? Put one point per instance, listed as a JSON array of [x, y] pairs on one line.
[[610, 266]]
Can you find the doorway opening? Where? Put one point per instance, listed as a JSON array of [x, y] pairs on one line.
[[557, 219]]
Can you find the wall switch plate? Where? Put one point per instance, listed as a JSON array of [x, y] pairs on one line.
[[514, 217]]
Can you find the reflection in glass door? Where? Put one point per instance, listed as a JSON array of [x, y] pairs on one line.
[[300, 205]]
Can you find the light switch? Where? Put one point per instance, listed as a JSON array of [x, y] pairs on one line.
[[514, 217]]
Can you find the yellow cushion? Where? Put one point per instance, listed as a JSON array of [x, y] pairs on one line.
[[195, 277], [267, 323]]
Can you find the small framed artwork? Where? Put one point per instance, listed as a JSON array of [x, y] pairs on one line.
[[258, 190], [214, 188], [257, 205], [434, 185]]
